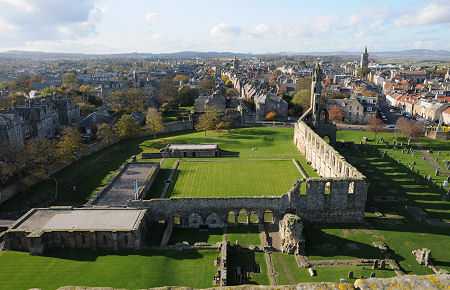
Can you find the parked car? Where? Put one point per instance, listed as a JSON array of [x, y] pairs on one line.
[[390, 127], [392, 110]]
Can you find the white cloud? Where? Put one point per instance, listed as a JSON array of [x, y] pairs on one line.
[[153, 16], [437, 12], [33, 20], [224, 31], [261, 30]]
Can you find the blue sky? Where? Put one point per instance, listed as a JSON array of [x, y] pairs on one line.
[[107, 26]]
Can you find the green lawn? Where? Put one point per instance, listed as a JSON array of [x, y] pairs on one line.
[[91, 172], [246, 235], [131, 270], [192, 236], [249, 259], [157, 187], [289, 273], [226, 178]]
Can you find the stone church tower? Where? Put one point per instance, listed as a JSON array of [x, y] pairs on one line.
[[316, 92], [364, 58]]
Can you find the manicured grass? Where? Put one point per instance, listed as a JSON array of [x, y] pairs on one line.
[[245, 235], [387, 177], [157, 187], [289, 273], [192, 236], [233, 178], [91, 172], [342, 242], [249, 259], [131, 270]]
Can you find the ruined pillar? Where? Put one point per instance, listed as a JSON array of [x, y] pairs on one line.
[[115, 241], [93, 240], [248, 217], [236, 217]]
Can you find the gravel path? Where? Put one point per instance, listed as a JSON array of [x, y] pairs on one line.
[[429, 158]]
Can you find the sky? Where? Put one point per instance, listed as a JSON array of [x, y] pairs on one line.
[[245, 26]]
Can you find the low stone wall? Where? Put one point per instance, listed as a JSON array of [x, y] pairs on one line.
[[437, 135], [175, 126], [404, 282]]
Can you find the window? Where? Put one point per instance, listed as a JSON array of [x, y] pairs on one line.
[[125, 239], [350, 107], [349, 114], [104, 240], [369, 109]]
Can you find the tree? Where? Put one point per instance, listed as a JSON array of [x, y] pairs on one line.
[[154, 121], [224, 78], [70, 146], [208, 121], [106, 133], [363, 72], [86, 109], [271, 115], [129, 101], [410, 128], [232, 93], [335, 113], [229, 84], [302, 98], [186, 96], [41, 160], [52, 90], [207, 85], [168, 91], [127, 127], [180, 78], [69, 80], [375, 125]]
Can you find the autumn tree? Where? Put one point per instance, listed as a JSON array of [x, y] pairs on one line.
[[271, 115], [302, 96], [207, 85], [375, 125], [127, 127], [69, 146], [335, 113], [363, 72], [208, 121], [232, 93], [129, 101], [167, 91], [69, 80], [154, 121], [106, 133], [41, 159], [186, 96], [180, 78]]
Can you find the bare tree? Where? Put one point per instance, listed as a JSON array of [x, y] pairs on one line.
[[375, 125]]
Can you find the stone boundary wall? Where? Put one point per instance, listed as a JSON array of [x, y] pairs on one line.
[[344, 203], [437, 135], [169, 127], [323, 157]]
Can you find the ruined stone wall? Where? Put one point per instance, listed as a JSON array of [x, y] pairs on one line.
[[323, 157], [345, 202]]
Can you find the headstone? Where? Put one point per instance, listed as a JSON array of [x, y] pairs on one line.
[[350, 274], [372, 275], [311, 272], [414, 163], [430, 150], [413, 153], [382, 154], [423, 157], [445, 183], [430, 178], [342, 281], [412, 167], [375, 265], [437, 171], [382, 140], [436, 159], [382, 264], [439, 153]]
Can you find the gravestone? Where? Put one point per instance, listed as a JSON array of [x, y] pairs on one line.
[[439, 153], [375, 265], [350, 274], [372, 275], [437, 172], [383, 264]]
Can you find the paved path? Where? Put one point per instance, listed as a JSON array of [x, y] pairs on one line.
[[122, 188], [429, 158], [166, 185], [6, 223]]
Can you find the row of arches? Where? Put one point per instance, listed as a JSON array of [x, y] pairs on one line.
[[216, 220]]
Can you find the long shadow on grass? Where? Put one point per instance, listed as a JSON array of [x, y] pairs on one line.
[[241, 258], [407, 184], [91, 256]]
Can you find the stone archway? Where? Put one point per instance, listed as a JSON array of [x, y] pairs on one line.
[[213, 220], [194, 220]]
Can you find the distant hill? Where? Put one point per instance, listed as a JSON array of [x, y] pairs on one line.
[[412, 54]]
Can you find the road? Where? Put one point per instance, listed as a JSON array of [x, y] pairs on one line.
[[392, 117]]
